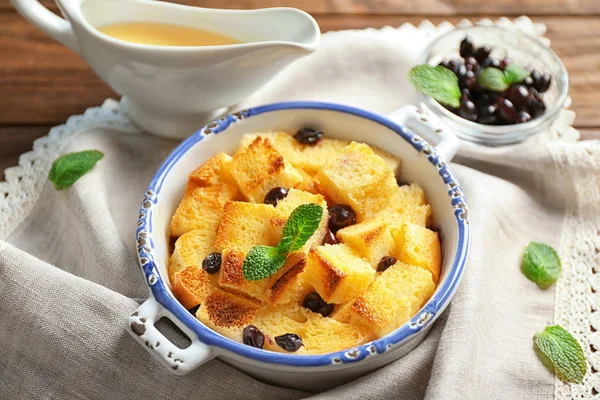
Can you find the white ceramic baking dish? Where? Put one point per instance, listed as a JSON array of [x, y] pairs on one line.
[[422, 163]]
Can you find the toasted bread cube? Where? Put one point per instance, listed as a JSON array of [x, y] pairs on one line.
[[393, 298], [407, 204], [213, 171], [418, 215], [288, 286], [191, 248], [192, 285], [227, 314], [411, 194], [277, 321], [231, 276], [392, 162], [336, 273], [325, 335], [417, 245], [259, 168], [371, 240], [308, 157], [308, 183], [359, 178], [245, 225], [291, 310], [319, 335], [293, 200], [201, 207], [342, 312]]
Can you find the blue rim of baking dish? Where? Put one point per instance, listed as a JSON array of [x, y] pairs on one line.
[[432, 309]]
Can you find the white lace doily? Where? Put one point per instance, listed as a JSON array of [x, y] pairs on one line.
[[577, 297], [23, 183], [577, 304]]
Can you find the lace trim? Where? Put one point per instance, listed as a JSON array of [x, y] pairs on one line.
[[577, 303], [24, 182]]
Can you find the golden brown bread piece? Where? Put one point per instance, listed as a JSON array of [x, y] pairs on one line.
[[231, 276], [259, 168], [273, 322], [359, 178], [191, 248], [285, 286], [293, 200], [213, 171], [319, 334], [192, 285], [417, 245], [342, 312], [393, 163], [308, 157], [371, 240], [201, 207], [406, 204], [308, 183], [336, 273], [227, 314], [392, 299], [288, 285], [311, 157], [324, 335], [245, 225]]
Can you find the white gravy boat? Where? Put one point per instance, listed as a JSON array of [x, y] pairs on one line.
[[174, 90]]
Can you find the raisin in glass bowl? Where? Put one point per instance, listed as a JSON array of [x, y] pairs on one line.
[[524, 50]]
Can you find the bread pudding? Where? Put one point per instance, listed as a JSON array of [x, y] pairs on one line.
[[367, 264]]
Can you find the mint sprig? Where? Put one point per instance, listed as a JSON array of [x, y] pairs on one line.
[[438, 82], [68, 168], [263, 261], [300, 226], [561, 352], [515, 74], [497, 80], [541, 264], [492, 79]]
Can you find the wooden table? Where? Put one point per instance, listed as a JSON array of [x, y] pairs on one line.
[[42, 83]]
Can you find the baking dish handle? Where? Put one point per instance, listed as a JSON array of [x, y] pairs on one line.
[[446, 143], [180, 361]]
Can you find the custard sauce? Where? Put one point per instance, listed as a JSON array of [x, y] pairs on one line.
[[160, 34]]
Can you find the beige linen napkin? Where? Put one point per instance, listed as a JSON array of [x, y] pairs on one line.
[[69, 276]]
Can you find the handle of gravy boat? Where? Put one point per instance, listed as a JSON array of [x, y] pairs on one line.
[[446, 143], [59, 28], [180, 361]]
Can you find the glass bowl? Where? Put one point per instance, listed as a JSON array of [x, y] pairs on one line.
[[523, 50]]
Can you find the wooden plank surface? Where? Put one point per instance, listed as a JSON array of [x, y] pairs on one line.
[[42, 82]]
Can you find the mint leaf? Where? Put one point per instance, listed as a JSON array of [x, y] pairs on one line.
[[559, 349], [492, 79], [68, 168], [262, 262], [300, 226], [514, 74], [438, 82], [541, 264]]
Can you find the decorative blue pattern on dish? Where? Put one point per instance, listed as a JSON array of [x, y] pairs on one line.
[[417, 323]]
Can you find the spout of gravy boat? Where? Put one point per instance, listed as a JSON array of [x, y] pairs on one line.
[[174, 90]]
